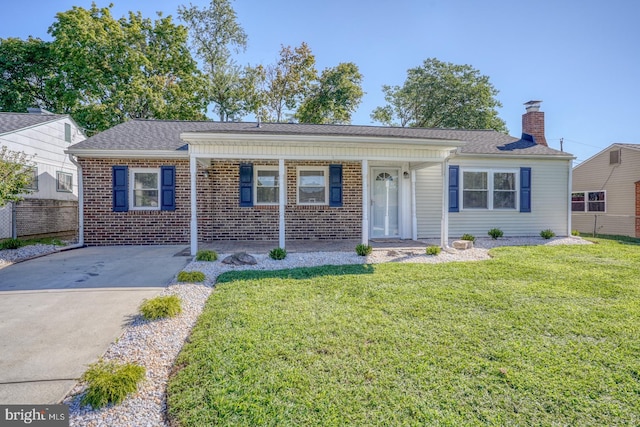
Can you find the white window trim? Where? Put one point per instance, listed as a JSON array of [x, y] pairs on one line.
[[490, 189], [255, 185], [132, 172], [325, 169], [586, 201], [59, 188]]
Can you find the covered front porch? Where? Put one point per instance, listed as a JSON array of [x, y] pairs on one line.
[[373, 195]]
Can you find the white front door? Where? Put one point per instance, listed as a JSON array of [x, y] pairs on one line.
[[385, 206]]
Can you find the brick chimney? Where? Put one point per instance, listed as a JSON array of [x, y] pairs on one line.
[[533, 122]]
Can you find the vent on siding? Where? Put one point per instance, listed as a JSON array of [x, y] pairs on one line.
[[614, 157]]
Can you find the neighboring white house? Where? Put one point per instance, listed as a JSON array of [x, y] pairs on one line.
[[52, 206], [605, 195]]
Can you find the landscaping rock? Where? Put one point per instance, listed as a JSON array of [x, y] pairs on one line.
[[240, 258], [463, 244]]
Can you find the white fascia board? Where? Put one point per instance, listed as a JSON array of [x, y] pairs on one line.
[[129, 154], [200, 138], [517, 156], [337, 157]]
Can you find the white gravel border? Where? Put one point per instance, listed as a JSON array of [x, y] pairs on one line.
[[156, 344]]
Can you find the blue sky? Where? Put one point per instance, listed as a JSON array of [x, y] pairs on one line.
[[581, 58]]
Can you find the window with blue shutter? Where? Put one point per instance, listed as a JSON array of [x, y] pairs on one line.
[[525, 189], [120, 178], [168, 188], [246, 184], [335, 185], [454, 188]]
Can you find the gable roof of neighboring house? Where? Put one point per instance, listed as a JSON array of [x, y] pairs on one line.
[[13, 122], [615, 144], [164, 135]]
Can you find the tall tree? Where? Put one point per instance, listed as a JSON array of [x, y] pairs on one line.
[[288, 82], [442, 94], [215, 33], [15, 175], [334, 97], [115, 70], [29, 78]]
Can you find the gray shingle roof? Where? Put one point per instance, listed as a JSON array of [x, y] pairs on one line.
[[11, 122], [165, 135]]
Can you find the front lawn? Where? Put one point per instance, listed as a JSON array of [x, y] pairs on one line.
[[536, 336]]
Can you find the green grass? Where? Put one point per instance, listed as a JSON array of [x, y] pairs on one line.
[[535, 336], [16, 243]]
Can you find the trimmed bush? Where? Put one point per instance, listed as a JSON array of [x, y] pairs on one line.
[[11, 244], [278, 253], [206, 255], [363, 250], [547, 234], [191, 276], [495, 233], [575, 233], [434, 250], [110, 382], [161, 307], [469, 237]]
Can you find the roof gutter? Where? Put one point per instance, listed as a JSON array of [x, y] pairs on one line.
[[125, 154]]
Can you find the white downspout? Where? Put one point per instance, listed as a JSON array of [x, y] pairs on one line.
[[80, 203], [414, 208], [570, 189], [193, 169], [365, 202], [282, 202]]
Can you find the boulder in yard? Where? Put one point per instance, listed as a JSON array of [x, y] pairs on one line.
[[240, 258]]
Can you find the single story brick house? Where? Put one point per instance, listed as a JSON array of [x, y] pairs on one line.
[[179, 182]]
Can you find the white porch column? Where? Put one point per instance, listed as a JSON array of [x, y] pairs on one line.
[[365, 201], [444, 223], [193, 168], [414, 209], [282, 201]]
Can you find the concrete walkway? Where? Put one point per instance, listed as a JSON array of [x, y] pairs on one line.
[[60, 312]]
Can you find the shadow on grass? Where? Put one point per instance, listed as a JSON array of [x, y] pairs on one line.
[[622, 240], [302, 273]]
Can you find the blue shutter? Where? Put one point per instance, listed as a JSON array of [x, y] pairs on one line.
[[335, 185], [525, 189], [168, 188], [246, 184], [454, 188], [120, 178]]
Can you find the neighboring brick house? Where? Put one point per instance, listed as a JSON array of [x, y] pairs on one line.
[[606, 192], [179, 182], [52, 206]]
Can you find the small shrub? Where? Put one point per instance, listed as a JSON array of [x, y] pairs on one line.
[[206, 255], [161, 307], [110, 382], [469, 237], [495, 233], [433, 250], [575, 233], [363, 250], [11, 244], [547, 234], [191, 276], [278, 253]]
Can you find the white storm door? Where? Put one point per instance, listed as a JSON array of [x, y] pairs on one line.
[[385, 198]]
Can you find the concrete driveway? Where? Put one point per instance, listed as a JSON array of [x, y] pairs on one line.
[[60, 312]]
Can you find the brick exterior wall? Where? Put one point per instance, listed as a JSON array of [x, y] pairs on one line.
[[638, 209], [219, 215], [221, 218], [533, 124], [41, 217], [102, 226]]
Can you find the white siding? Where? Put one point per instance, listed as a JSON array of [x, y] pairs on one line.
[[549, 201], [47, 143], [619, 183], [429, 201]]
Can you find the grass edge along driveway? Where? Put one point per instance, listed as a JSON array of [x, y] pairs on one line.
[[536, 336]]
